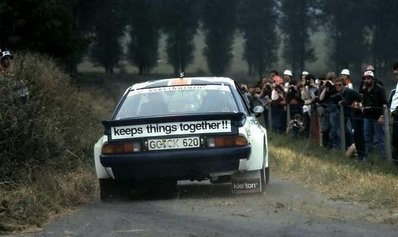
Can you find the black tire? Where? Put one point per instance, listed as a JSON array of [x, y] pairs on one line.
[[110, 189], [265, 176]]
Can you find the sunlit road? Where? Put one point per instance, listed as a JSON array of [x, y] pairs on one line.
[[201, 209]]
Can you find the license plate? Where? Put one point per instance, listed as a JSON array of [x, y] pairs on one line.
[[173, 143]]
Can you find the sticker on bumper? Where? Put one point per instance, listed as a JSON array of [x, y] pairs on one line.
[[246, 186]]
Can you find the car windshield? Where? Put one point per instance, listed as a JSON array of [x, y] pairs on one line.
[[177, 100]]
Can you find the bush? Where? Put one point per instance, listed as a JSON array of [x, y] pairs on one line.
[[56, 122], [45, 143]]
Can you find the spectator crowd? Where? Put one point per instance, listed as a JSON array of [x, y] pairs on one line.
[[330, 111]]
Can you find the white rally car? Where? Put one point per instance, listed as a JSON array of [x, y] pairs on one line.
[[199, 128]]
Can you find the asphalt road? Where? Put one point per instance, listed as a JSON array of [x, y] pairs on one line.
[[286, 208]]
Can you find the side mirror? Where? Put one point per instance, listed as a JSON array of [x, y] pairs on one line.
[[258, 110]]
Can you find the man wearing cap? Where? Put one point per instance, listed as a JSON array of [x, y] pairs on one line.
[[293, 96], [303, 75], [394, 114], [287, 78], [345, 74], [374, 97], [5, 63], [18, 87], [376, 80]]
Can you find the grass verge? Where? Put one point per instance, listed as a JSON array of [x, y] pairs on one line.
[[46, 143], [372, 182]]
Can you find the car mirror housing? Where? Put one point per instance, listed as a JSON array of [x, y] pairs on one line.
[[258, 109]]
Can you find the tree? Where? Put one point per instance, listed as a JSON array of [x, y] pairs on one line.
[[347, 36], [296, 23], [144, 35], [109, 26], [385, 34], [257, 21], [45, 26], [219, 19], [180, 22]]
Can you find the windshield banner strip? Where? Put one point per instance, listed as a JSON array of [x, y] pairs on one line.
[[180, 88]]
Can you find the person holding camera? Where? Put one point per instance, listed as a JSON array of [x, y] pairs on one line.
[[278, 108], [330, 120]]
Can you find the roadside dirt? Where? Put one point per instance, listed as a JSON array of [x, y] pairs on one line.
[[286, 208], [286, 195]]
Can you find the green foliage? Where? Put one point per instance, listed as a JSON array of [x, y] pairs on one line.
[[257, 21], [296, 23], [179, 20], [144, 35], [46, 26], [372, 182], [383, 16], [55, 123], [45, 144], [347, 33], [219, 19], [110, 23]]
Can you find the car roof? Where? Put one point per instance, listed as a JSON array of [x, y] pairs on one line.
[[182, 81]]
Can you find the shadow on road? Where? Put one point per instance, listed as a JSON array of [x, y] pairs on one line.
[[184, 190]]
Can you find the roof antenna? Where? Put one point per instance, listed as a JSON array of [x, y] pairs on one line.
[[182, 74]]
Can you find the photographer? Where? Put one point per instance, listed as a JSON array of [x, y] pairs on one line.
[[278, 108], [330, 118], [293, 98]]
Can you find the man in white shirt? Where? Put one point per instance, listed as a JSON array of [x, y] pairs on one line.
[[394, 114]]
